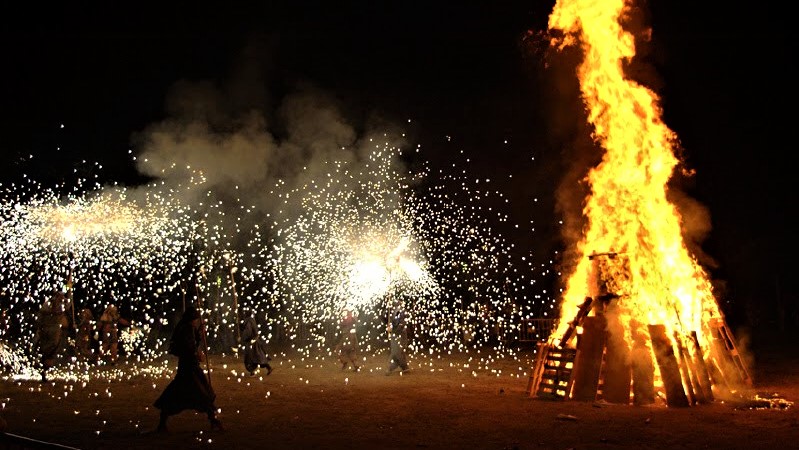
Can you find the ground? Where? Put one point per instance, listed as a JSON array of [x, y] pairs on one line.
[[463, 401]]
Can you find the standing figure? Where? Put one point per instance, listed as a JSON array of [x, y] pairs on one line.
[[255, 354], [109, 324], [85, 337], [398, 338], [51, 323], [190, 389], [347, 345]]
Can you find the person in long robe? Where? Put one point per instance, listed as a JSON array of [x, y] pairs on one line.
[[347, 345], [190, 389], [108, 326], [85, 336], [51, 325], [398, 339], [255, 351]]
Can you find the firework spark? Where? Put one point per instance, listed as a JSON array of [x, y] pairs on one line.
[[366, 233]]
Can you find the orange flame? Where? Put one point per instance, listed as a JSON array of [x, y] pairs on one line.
[[627, 210]]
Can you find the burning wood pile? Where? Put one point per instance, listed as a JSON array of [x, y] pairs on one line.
[[603, 354], [645, 322]]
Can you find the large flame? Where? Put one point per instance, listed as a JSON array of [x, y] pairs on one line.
[[628, 214]]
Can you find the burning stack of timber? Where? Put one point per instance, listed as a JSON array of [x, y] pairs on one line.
[[605, 354]]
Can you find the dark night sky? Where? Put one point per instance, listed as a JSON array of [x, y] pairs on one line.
[[724, 74]]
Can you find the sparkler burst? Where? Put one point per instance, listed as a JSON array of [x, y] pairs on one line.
[[355, 236], [359, 236], [100, 246]]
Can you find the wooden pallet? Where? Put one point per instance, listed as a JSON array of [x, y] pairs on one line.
[[551, 377], [724, 344], [598, 368]]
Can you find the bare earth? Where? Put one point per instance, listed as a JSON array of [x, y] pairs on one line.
[[442, 403]]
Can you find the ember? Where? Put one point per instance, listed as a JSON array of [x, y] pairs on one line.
[[763, 400]]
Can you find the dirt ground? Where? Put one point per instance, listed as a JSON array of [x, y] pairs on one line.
[[464, 401]]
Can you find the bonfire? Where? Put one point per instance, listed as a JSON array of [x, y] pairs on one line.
[[639, 319]]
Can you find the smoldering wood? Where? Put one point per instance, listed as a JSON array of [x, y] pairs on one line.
[[731, 364], [588, 363], [685, 370], [643, 373], [703, 373], [617, 372], [669, 368], [555, 379]]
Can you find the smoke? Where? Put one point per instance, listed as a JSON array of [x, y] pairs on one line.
[[225, 145], [570, 134], [695, 222], [695, 217]]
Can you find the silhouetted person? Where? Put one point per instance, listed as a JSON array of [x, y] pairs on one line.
[[347, 345], [109, 324], [85, 336], [255, 355], [398, 338], [51, 324], [190, 389]]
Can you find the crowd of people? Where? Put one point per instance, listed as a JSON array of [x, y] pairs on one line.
[[97, 341]]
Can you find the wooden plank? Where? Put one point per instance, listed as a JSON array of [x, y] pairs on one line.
[[690, 384], [643, 369], [669, 369], [555, 379], [582, 312], [587, 365], [617, 373], [702, 370]]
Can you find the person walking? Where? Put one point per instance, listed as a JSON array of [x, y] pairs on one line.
[[255, 354], [85, 336], [347, 345], [51, 323], [398, 338], [190, 389], [109, 324]]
